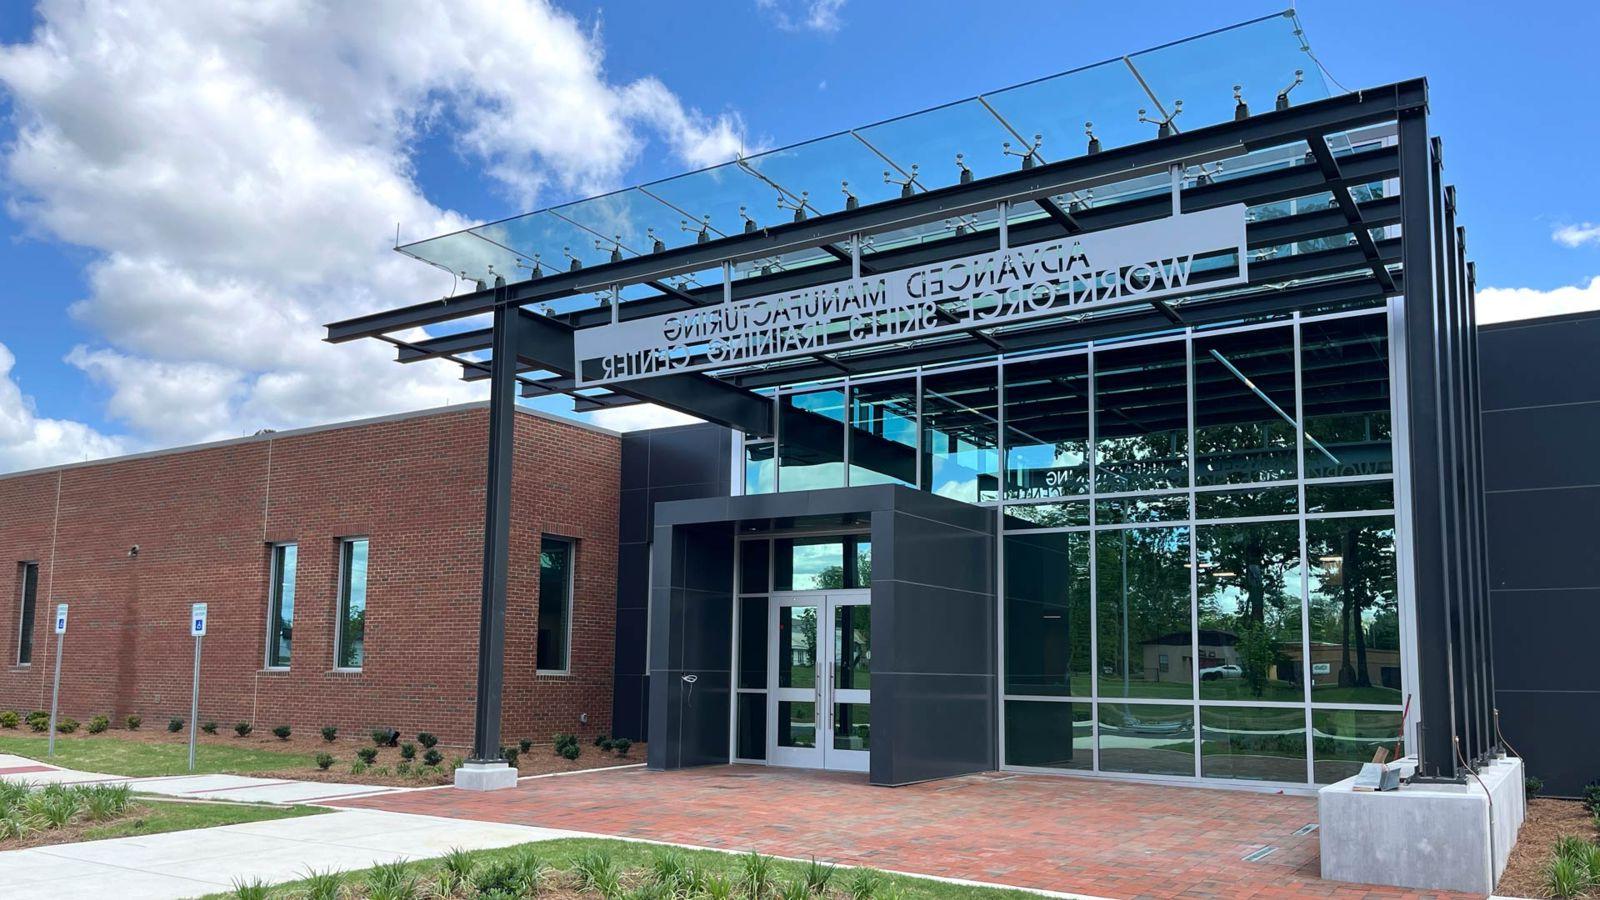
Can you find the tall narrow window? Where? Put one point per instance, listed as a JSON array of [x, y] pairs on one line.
[[352, 603], [555, 604], [280, 610], [28, 579]]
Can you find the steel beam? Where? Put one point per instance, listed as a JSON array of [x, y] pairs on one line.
[[496, 538]]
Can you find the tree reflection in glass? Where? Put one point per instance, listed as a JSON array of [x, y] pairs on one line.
[[1248, 580], [1355, 620], [1145, 645]]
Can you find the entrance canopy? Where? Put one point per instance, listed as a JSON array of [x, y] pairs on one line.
[[1239, 117]]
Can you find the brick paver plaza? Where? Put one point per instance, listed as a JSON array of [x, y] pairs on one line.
[[1106, 838]]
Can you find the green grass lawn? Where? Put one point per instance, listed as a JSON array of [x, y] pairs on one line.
[[111, 755], [157, 816], [634, 861]]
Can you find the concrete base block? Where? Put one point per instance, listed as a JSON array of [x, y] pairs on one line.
[[1454, 837], [486, 776]]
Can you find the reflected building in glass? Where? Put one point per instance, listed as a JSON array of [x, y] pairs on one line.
[[1198, 538]]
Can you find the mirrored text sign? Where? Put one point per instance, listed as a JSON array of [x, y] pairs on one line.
[[1071, 274]]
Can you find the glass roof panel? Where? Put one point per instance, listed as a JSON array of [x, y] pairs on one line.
[[1261, 55]]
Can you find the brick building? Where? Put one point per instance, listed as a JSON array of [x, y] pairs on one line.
[[370, 533]]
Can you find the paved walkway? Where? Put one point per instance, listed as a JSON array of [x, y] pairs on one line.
[[239, 788], [1078, 835], [193, 863]]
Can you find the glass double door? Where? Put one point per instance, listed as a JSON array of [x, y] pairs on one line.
[[819, 682]]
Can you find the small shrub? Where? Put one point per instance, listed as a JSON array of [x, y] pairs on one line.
[[1566, 877], [9, 719], [755, 874], [596, 870], [818, 876], [56, 808], [608, 745], [358, 768], [622, 746], [175, 724], [323, 885], [524, 745], [571, 751], [516, 876], [39, 720], [863, 884], [104, 801], [243, 729], [133, 722], [381, 771], [385, 737], [209, 727], [392, 881], [281, 732], [408, 751], [67, 725], [509, 754], [329, 732], [561, 739], [368, 755], [254, 889], [99, 724], [456, 871], [600, 740], [432, 757], [1531, 785], [426, 740], [402, 768], [324, 761], [1591, 801]]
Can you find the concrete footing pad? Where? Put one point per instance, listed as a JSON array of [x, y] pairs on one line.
[[1454, 837], [486, 776]]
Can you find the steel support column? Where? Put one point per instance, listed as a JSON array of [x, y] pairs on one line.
[[1424, 456], [496, 535]]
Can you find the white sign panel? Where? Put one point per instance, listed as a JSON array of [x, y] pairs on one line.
[[1322, 668], [197, 620], [61, 618], [1071, 274]]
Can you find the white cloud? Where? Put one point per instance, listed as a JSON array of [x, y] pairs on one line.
[[1506, 304], [1576, 235], [805, 15], [28, 441], [238, 168], [643, 415]]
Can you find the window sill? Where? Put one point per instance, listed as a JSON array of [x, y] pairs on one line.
[[273, 670], [339, 670], [553, 673]]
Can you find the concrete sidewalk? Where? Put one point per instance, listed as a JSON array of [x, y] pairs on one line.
[[208, 860], [240, 788]]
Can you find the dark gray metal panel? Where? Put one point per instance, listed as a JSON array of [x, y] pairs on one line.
[[934, 680], [1541, 362], [1556, 733], [918, 621], [1545, 539], [1538, 650], [939, 726], [1542, 446], [691, 645]]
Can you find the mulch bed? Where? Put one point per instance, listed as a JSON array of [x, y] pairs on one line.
[[1548, 820], [540, 760], [73, 832]]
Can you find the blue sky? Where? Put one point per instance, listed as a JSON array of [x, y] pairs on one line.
[[1507, 96]]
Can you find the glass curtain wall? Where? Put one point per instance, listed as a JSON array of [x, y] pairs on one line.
[[1200, 553]]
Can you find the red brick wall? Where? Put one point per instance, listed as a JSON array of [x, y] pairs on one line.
[[203, 520]]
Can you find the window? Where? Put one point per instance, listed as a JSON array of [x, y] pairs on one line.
[[352, 624], [811, 440], [28, 580], [960, 434], [280, 605], [883, 432], [555, 604]]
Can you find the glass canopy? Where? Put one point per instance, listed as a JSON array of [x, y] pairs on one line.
[[1118, 102]]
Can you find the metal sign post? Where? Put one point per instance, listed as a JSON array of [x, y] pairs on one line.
[[197, 629], [55, 693]]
